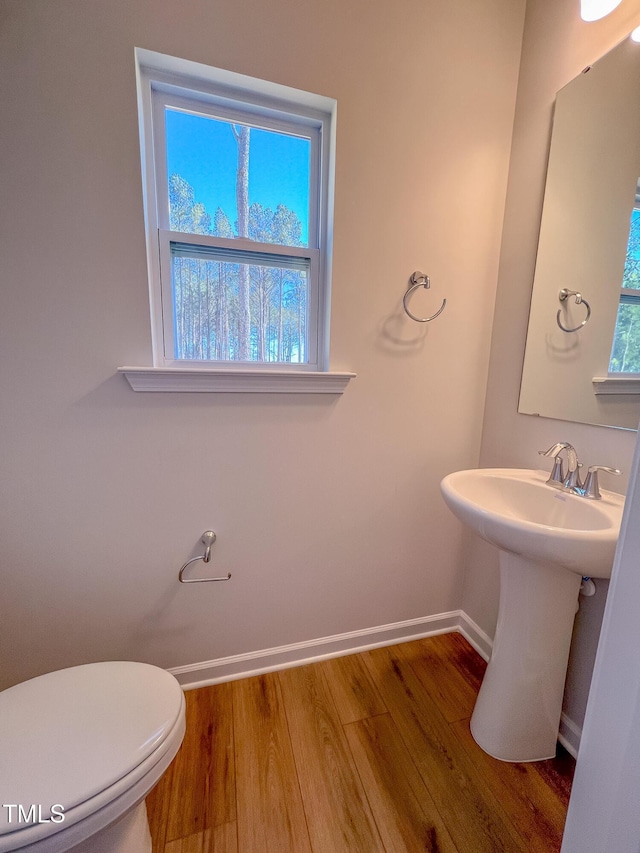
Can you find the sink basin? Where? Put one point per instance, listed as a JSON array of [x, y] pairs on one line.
[[548, 539], [518, 512]]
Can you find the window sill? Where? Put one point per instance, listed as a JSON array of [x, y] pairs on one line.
[[616, 384], [235, 381]]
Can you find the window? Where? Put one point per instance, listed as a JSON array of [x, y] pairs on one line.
[[625, 353], [237, 204]]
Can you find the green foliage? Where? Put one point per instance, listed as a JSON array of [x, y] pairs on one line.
[[181, 202], [221, 225], [281, 227], [625, 356]]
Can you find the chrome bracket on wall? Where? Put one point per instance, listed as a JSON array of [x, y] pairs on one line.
[[208, 538], [580, 300], [419, 279]]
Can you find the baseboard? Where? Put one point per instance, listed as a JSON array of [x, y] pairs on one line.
[[474, 634], [296, 654], [245, 665], [570, 734]]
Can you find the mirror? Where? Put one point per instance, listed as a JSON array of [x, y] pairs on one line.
[[585, 249]]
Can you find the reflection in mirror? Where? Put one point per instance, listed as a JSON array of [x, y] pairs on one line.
[[625, 352], [590, 245]]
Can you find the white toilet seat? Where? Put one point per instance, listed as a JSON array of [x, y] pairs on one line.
[[139, 728]]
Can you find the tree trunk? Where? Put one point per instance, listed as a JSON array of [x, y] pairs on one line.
[[208, 301], [280, 329], [242, 134]]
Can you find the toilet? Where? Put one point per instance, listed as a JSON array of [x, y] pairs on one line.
[[81, 749]]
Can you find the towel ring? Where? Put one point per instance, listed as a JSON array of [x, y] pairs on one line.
[[419, 279], [208, 538], [580, 300]]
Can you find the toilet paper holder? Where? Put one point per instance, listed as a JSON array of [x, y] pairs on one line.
[[208, 538]]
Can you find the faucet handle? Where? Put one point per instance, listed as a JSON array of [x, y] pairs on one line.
[[591, 488], [556, 478]]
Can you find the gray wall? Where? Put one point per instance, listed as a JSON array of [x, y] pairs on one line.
[[327, 511]]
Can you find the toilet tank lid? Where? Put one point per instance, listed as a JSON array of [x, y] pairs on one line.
[[70, 734]]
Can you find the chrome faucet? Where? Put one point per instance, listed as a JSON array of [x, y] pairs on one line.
[[557, 478], [570, 481]]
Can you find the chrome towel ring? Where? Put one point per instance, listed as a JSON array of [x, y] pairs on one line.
[[580, 300], [419, 279], [208, 538]]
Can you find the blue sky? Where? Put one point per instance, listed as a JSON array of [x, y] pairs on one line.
[[203, 151]]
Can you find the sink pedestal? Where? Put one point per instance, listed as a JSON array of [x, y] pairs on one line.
[[548, 538], [517, 713]]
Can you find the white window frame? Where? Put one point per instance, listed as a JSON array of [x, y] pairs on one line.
[[164, 80]]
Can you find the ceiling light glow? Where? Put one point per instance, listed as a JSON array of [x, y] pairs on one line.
[[593, 10]]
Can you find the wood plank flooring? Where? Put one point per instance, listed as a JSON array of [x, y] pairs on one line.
[[369, 753]]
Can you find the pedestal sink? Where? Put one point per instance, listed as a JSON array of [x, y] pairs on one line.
[[548, 539]]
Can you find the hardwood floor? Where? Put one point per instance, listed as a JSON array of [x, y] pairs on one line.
[[369, 753]]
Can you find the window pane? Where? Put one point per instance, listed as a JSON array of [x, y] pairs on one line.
[[625, 352], [229, 311], [625, 355], [631, 277], [231, 180]]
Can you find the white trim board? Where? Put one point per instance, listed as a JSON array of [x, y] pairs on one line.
[[249, 664], [246, 665], [569, 735], [236, 381]]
